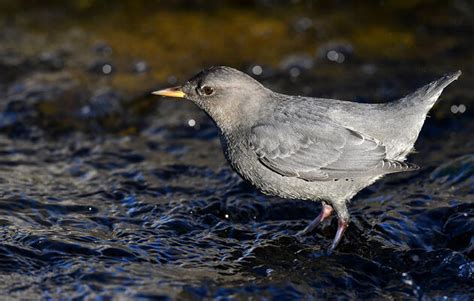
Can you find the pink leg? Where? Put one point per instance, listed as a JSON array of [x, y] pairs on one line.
[[325, 213], [341, 228]]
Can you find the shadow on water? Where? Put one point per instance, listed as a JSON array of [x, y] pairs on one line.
[[105, 191]]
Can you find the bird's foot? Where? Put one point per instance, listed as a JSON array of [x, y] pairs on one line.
[[343, 222], [341, 228], [325, 213]]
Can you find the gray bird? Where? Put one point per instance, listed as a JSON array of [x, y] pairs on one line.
[[309, 148]]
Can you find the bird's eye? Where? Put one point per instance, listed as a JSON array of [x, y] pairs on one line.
[[207, 90]]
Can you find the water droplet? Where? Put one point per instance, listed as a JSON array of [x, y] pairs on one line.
[[454, 109], [466, 270], [332, 55], [461, 108], [191, 122], [257, 70], [295, 72], [407, 279], [303, 24], [140, 67], [86, 110], [335, 56], [340, 58], [226, 215], [106, 69]]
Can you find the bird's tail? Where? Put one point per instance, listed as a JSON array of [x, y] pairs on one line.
[[429, 93]]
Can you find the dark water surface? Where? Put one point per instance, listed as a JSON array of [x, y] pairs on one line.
[[108, 192]]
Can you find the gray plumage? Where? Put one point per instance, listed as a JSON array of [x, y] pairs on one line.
[[310, 148]]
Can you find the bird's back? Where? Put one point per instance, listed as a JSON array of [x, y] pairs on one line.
[[395, 124]]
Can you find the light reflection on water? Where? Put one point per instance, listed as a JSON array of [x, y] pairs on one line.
[[105, 191]]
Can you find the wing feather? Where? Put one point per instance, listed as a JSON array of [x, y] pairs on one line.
[[318, 149]]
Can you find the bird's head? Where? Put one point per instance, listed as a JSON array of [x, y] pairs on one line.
[[223, 93]]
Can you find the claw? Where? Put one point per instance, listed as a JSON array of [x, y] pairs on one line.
[[325, 213]]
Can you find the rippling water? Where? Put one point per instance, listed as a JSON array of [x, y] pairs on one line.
[[139, 217], [105, 192]]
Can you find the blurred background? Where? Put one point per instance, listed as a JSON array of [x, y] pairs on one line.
[[106, 191], [115, 52]]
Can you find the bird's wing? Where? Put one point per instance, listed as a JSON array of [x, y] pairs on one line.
[[319, 149]]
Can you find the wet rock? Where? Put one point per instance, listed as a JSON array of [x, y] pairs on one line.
[[101, 48], [51, 61], [39, 100], [104, 102], [40, 87], [12, 66], [459, 228]]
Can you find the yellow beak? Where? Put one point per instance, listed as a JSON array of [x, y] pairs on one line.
[[171, 92]]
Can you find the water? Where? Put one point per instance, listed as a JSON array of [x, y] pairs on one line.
[[108, 192]]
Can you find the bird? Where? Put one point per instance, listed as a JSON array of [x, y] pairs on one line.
[[308, 148]]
